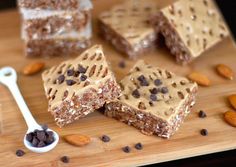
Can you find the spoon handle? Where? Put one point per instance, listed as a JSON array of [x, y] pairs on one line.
[[29, 119]]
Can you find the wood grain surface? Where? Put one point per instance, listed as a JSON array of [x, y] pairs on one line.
[[187, 142]]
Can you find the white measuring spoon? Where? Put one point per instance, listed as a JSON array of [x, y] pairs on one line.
[[8, 77]]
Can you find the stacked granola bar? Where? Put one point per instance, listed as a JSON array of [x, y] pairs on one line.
[[55, 27]]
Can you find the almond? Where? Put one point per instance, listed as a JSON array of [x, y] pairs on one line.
[[225, 71], [77, 139], [232, 100], [199, 78], [230, 118], [33, 68]]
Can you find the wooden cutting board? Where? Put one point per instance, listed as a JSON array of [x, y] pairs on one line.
[[187, 142]]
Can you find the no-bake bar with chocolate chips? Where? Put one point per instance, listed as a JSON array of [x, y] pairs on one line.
[[77, 87], [153, 100], [190, 27], [127, 26]]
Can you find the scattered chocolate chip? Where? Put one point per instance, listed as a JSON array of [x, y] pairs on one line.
[[154, 91], [65, 159], [105, 138], [70, 72], [164, 90], [143, 81], [70, 82], [204, 132], [126, 149], [29, 136], [61, 79], [202, 114], [139, 146], [153, 97], [122, 64], [136, 93], [20, 153], [41, 144], [157, 82], [81, 69], [83, 77]]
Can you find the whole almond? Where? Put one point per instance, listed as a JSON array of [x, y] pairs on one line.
[[225, 71], [230, 118], [232, 100], [33, 68], [199, 78], [77, 139]]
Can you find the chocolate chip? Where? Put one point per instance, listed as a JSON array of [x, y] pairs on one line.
[[41, 144], [153, 97], [164, 90], [139, 146], [154, 91], [20, 153], [157, 82], [29, 136], [81, 69], [65, 159], [70, 82], [41, 135], [70, 72], [105, 138], [202, 114], [83, 77], [122, 64], [76, 73], [204, 132], [61, 79], [35, 142], [49, 133], [136, 93], [126, 149], [143, 81]]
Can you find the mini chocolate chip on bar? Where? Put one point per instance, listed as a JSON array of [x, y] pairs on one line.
[[161, 104], [126, 149], [65, 159], [20, 153], [105, 138], [83, 85], [136, 93], [70, 72]]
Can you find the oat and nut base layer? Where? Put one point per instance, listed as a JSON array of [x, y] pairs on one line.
[[127, 26], [190, 27], [153, 100], [77, 87]]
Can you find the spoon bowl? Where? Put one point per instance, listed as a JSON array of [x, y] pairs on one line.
[[41, 149]]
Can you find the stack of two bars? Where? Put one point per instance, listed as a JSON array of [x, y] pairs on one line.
[[151, 99], [189, 27], [55, 27]]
